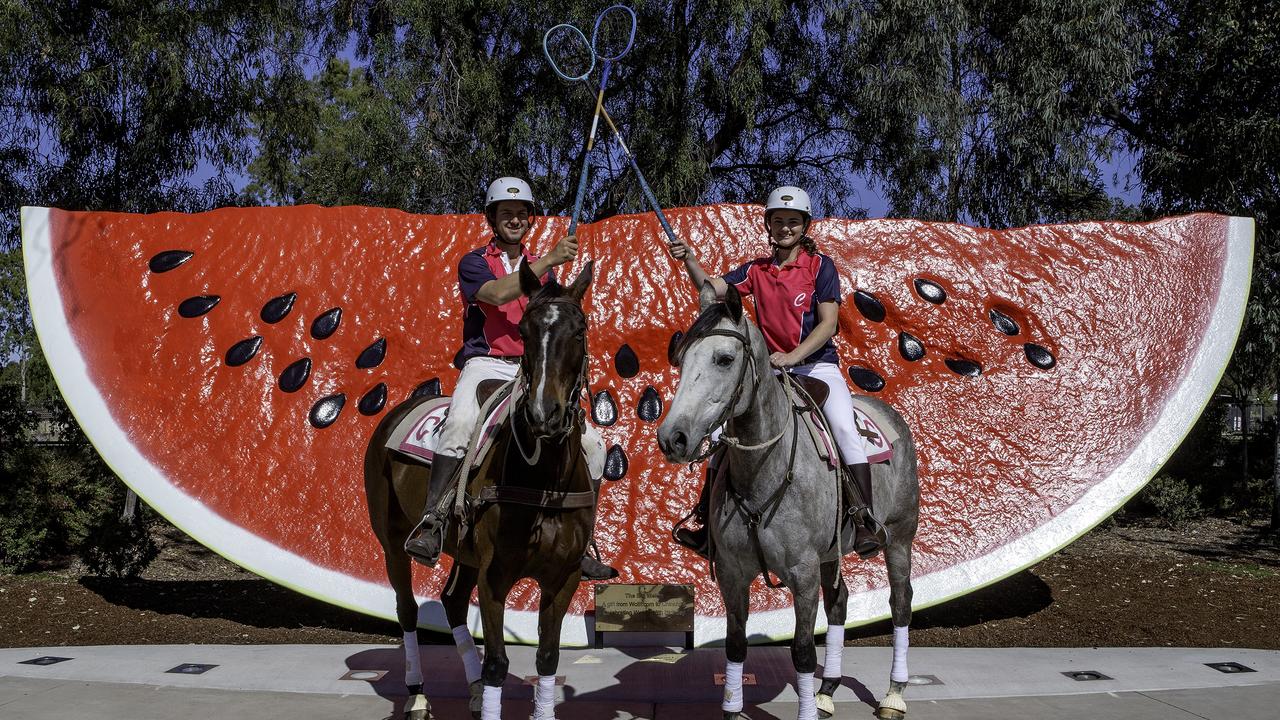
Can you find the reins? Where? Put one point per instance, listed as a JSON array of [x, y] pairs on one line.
[[754, 518]]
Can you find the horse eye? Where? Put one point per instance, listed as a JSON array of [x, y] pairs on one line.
[[724, 360]]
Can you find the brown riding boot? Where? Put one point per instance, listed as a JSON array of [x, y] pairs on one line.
[[427, 539], [865, 541], [593, 568], [699, 540]]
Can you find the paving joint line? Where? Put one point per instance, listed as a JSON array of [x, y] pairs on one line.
[[1169, 704]]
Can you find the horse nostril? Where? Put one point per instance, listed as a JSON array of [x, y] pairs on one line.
[[679, 441]]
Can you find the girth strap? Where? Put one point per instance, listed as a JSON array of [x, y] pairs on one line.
[[545, 499]]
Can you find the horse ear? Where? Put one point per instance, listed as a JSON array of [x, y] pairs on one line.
[[734, 301], [580, 283], [706, 296], [529, 283]]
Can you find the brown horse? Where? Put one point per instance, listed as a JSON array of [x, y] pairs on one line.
[[530, 506]]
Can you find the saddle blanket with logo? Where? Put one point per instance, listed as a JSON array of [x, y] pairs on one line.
[[876, 443], [418, 432]]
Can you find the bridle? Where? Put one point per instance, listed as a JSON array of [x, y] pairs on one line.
[[574, 414], [677, 357]]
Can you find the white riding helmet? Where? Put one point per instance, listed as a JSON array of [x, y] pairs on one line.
[[788, 197], [509, 188]]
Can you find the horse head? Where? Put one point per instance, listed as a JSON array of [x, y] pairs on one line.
[[721, 362], [554, 330]]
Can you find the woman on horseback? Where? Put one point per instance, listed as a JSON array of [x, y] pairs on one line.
[[797, 296]]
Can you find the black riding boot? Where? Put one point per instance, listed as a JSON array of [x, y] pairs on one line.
[[699, 540], [427, 539], [593, 568], [865, 542]]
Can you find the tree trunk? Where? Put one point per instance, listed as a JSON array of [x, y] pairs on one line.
[[1244, 443], [1275, 485]]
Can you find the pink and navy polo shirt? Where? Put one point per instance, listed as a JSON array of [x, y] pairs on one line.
[[492, 330], [787, 299]]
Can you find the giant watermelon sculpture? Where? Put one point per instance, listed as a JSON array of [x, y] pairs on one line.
[[1047, 373]]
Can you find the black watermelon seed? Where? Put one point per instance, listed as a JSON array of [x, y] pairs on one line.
[[869, 305], [326, 323], [372, 356], [168, 260], [650, 406], [1039, 356], [1004, 323], [430, 388], [194, 307], [911, 348], [615, 463], [930, 291], [374, 400], [604, 409], [277, 307], [868, 380], [295, 376], [967, 368], [326, 410], [243, 351], [676, 337], [626, 362]]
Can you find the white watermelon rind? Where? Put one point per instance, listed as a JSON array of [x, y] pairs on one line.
[[285, 568]]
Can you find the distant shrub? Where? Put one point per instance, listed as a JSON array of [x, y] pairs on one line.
[[1173, 500], [60, 501]]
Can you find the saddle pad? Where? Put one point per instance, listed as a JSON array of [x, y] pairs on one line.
[[417, 434], [877, 442]]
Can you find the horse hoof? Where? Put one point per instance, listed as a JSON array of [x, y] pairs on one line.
[[885, 713], [418, 708], [477, 699], [826, 706], [733, 715]]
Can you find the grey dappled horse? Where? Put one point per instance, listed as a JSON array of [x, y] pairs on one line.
[[725, 378]]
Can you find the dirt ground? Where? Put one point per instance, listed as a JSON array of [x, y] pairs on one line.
[[1215, 583]]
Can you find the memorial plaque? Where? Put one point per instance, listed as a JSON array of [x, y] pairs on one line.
[[644, 608]]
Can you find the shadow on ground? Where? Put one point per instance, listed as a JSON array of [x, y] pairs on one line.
[[1018, 596], [253, 602]]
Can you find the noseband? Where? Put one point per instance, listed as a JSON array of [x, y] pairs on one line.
[[677, 357]]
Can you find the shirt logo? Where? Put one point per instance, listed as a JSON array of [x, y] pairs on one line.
[[800, 299]]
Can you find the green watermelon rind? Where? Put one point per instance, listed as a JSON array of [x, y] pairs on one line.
[[1183, 406]]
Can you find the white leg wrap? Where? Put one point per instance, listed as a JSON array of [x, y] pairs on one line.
[[899, 673], [492, 707], [808, 705], [732, 687], [544, 698], [466, 647], [412, 660], [832, 667]]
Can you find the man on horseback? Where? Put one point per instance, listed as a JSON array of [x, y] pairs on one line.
[[491, 350], [797, 294]]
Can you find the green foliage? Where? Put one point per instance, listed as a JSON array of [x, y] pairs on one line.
[[53, 497], [119, 547], [1174, 500]]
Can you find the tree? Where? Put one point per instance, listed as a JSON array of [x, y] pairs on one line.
[[1204, 118]]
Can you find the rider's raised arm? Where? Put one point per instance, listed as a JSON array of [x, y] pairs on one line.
[[479, 285], [697, 275]]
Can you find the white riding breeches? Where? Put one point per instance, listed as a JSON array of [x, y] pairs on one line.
[[838, 408], [464, 412]]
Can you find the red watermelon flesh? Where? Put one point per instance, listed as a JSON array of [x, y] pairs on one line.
[[1137, 321]]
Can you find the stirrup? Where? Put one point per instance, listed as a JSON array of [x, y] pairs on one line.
[[873, 534], [696, 540], [426, 540]]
